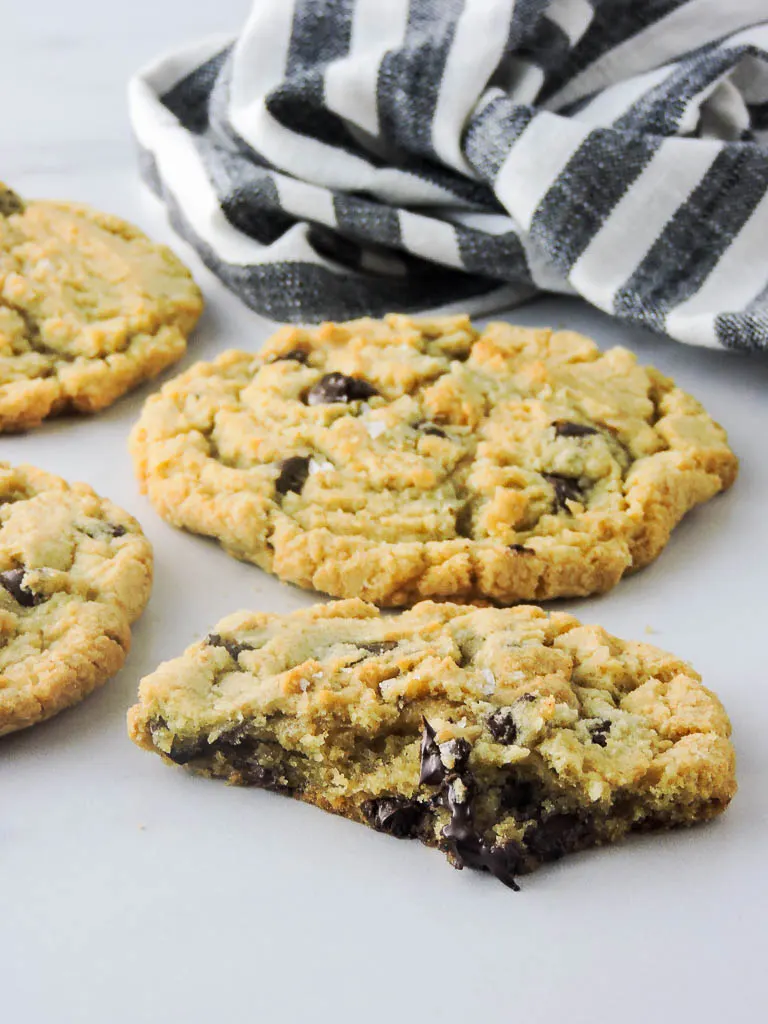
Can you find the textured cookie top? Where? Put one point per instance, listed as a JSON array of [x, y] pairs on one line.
[[347, 688], [75, 571], [404, 458], [89, 306]]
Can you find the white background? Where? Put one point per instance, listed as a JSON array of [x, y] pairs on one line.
[[132, 892]]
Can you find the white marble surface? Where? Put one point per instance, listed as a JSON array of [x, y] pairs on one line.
[[131, 892]]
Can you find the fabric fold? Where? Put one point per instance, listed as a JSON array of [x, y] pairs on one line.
[[339, 159]]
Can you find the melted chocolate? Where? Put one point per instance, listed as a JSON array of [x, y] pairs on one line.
[[432, 768], [185, 750], [395, 815], [557, 835]]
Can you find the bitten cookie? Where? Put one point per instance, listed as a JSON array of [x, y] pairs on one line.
[[506, 737], [89, 308], [401, 459], [75, 571]]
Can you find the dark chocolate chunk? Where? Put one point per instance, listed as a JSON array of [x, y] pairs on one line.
[[501, 726], [395, 815], [458, 751], [233, 649], [566, 489], [297, 355], [338, 387], [565, 428], [429, 428], [94, 528], [293, 474], [378, 646], [185, 750], [519, 795], [503, 861], [521, 549], [13, 581], [559, 834], [468, 848], [464, 518], [600, 732], [432, 768], [10, 202], [460, 828]]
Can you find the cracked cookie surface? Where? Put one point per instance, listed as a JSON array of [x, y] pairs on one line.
[[506, 737], [89, 308], [75, 572], [404, 459]]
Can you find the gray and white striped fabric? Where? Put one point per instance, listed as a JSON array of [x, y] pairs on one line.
[[349, 157]]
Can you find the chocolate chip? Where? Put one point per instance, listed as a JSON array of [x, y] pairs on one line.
[[502, 861], [429, 428], [13, 581], [460, 828], [565, 428], [501, 726], [297, 355], [559, 834], [378, 646], [455, 754], [185, 750], [566, 489], [233, 649], [432, 768], [255, 774], [241, 753], [600, 732], [467, 847], [519, 795], [10, 202], [293, 474], [394, 815], [338, 387], [521, 549], [115, 529], [464, 519]]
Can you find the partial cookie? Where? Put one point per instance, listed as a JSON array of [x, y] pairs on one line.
[[506, 737], [89, 308], [75, 571], [401, 459]]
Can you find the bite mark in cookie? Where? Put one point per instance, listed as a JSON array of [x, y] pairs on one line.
[[580, 738]]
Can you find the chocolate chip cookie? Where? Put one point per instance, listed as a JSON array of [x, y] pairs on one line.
[[505, 737], [89, 308], [75, 571], [401, 459]]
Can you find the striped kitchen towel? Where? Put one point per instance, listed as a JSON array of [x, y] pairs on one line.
[[349, 157]]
